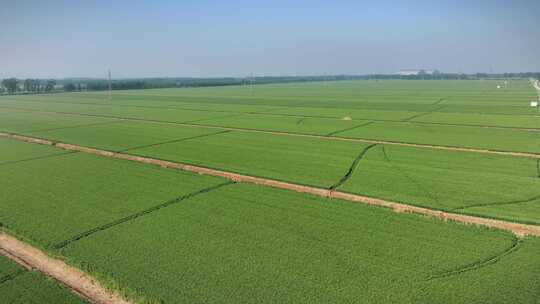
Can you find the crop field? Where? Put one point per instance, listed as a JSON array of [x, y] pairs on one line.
[[19, 286], [162, 235]]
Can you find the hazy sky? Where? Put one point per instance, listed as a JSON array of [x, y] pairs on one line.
[[233, 38]]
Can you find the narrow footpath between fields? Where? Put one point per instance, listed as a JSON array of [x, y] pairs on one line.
[[79, 282], [519, 230]]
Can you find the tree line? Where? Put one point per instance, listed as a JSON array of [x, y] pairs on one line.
[[30, 86], [14, 85]]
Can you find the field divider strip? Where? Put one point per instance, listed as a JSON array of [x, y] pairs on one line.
[[78, 281], [136, 215], [517, 228], [352, 168], [325, 137]]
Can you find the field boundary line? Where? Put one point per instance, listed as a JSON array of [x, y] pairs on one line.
[[73, 278], [352, 168], [517, 228], [136, 215], [325, 137]]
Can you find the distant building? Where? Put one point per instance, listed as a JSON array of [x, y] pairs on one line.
[[413, 72]]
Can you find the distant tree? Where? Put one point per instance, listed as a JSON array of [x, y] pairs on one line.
[[27, 85], [49, 86], [10, 84], [70, 87]]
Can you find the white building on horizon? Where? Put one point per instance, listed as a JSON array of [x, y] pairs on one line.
[[412, 72]]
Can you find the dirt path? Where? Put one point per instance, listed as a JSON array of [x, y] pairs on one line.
[[78, 281], [516, 228], [325, 137]]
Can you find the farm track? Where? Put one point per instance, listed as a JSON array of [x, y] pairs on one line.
[[326, 137], [352, 168], [516, 228], [136, 215], [79, 282], [479, 264], [268, 113]]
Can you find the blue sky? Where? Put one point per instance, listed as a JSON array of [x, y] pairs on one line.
[[235, 38]]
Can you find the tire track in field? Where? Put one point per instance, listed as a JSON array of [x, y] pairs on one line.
[[352, 168], [136, 215], [348, 129], [219, 117], [518, 229], [36, 158], [300, 121], [499, 203], [418, 185], [77, 126], [516, 244], [439, 101], [422, 114], [11, 276], [175, 141]]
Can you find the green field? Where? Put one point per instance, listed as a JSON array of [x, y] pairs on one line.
[[167, 236], [18, 286]]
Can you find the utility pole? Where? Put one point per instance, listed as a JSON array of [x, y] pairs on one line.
[[251, 83], [110, 86]]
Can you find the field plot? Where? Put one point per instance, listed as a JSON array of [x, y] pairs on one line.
[[214, 248], [86, 192], [167, 236], [18, 286], [301, 160], [126, 135], [25, 121], [472, 183], [12, 151], [455, 136]]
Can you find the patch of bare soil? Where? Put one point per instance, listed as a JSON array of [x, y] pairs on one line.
[[73, 278]]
